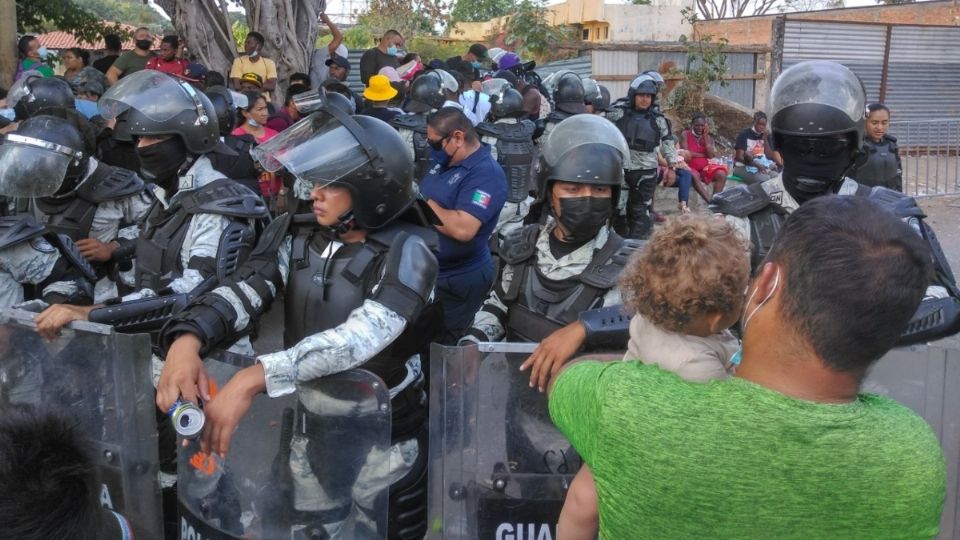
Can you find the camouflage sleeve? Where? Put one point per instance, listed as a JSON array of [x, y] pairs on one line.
[[252, 298], [407, 136], [668, 146], [368, 330], [489, 321], [612, 298], [29, 262], [136, 207], [492, 143], [741, 225], [199, 250]]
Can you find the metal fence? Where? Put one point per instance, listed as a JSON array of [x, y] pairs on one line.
[[930, 153]]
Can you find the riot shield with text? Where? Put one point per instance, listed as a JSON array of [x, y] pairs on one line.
[[102, 380], [927, 379], [311, 465], [498, 466]]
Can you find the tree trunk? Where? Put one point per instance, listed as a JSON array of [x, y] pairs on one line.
[[206, 29], [290, 29], [8, 44]]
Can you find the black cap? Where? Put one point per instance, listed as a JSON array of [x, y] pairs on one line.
[[479, 50], [338, 60], [508, 76]]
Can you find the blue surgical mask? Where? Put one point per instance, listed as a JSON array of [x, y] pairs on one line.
[[475, 64], [440, 158], [253, 123], [8, 114], [43, 53], [392, 51]]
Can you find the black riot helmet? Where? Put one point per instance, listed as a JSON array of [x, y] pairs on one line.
[[817, 111], [431, 89], [505, 101], [361, 153], [44, 153], [321, 99], [568, 94], [222, 100], [34, 92], [601, 103], [155, 104], [648, 82]]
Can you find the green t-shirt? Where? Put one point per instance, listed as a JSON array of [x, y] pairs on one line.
[[41, 67], [131, 62], [732, 459]]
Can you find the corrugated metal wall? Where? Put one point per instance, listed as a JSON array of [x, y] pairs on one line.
[[859, 47], [923, 72], [615, 69]]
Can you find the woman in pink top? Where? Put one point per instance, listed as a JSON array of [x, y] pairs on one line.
[[253, 119], [699, 149]]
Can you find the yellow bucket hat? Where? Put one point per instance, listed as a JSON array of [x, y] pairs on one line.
[[379, 89]]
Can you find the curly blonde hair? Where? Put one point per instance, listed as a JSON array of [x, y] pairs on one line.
[[694, 265]]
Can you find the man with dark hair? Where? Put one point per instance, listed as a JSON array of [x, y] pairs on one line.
[[287, 115], [466, 188], [320, 61], [470, 62], [813, 453], [49, 481], [132, 61], [252, 62], [167, 60], [383, 55], [338, 67], [300, 78], [111, 49]]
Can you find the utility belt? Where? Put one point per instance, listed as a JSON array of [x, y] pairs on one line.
[[408, 403]]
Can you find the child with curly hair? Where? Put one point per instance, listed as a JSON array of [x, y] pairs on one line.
[[686, 290]]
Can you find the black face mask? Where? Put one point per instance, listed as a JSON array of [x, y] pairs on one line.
[[583, 217], [144, 44], [160, 162], [814, 166]]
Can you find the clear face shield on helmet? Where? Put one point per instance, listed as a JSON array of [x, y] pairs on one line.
[[32, 167], [552, 80], [591, 90], [20, 91], [820, 84], [155, 95], [319, 150]]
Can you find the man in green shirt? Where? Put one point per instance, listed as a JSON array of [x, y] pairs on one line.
[[132, 61], [788, 448]]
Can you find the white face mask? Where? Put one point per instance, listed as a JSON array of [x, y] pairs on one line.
[[253, 54], [737, 356], [253, 123]]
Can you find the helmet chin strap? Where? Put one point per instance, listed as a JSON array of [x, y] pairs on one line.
[[347, 223]]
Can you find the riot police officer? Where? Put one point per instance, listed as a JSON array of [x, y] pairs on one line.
[[646, 131], [510, 137], [99, 207], [200, 227], [881, 164], [567, 95], [817, 122], [33, 93], [428, 93], [569, 259], [359, 275], [34, 162]]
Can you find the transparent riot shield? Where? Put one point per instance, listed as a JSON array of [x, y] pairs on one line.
[[927, 379], [102, 379], [309, 465], [498, 467]]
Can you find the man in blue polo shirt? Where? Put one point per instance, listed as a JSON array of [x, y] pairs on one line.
[[466, 188]]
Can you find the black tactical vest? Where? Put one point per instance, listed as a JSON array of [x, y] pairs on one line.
[[640, 129], [164, 230], [883, 165], [241, 167], [417, 123], [321, 293], [537, 305], [515, 154], [73, 214]]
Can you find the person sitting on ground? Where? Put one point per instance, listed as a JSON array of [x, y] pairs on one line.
[[378, 95], [777, 449], [50, 482], [686, 290], [253, 119], [754, 160], [681, 177], [698, 151]]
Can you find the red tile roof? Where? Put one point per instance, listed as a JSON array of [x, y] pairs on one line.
[[64, 40]]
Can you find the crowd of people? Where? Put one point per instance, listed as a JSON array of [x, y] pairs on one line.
[[466, 200]]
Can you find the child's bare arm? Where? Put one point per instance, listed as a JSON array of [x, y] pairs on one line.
[[580, 517]]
